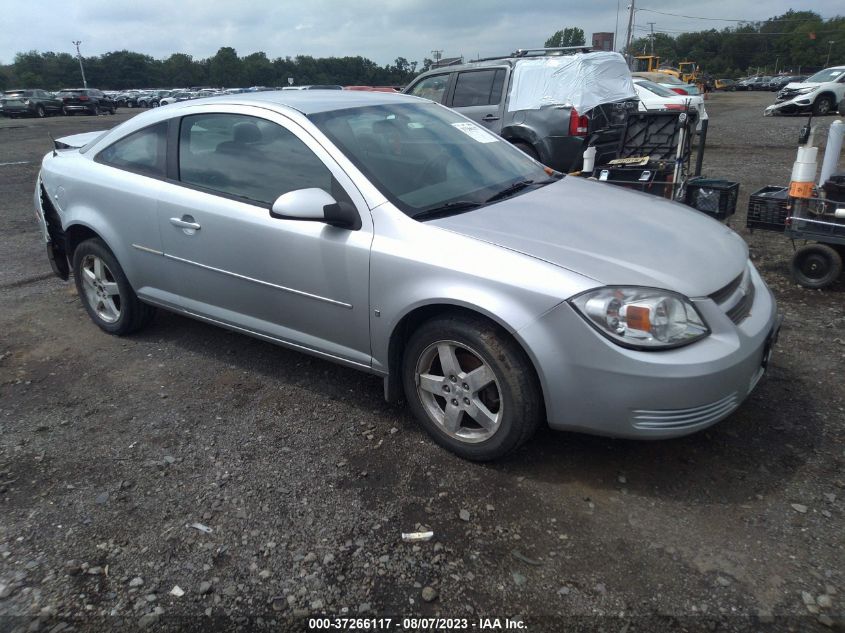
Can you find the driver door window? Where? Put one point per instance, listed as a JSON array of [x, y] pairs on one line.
[[248, 159]]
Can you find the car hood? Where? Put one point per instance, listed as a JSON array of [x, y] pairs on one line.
[[611, 235], [801, 84]]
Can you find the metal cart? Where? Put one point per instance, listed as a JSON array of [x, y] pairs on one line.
[[814, 265]]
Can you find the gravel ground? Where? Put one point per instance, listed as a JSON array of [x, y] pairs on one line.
[[188, 476]]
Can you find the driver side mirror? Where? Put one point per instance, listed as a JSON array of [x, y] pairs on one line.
[[315, 205]]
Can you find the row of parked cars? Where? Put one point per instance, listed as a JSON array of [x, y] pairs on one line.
[[40, 103], [767, 82]]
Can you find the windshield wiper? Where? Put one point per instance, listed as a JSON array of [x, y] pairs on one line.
[[450, 208]]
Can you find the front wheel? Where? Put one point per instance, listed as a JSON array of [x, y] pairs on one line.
[[471, 387], [823, 105], [40, 112], [816, 266], [105, 291]]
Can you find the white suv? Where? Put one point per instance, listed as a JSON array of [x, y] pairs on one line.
[[819, 93]]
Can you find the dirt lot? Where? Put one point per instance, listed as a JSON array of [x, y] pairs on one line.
[[111, 448]]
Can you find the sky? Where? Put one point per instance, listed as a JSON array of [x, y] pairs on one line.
[[381, 30]]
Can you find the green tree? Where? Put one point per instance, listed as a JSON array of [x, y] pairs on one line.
[[569, 36], [225, 69]]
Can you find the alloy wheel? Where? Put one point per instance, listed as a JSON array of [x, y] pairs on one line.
[[101, 290], [459, 391]]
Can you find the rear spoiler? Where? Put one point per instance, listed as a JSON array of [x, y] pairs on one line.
[[76, 141]]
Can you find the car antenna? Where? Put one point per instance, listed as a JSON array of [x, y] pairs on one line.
[[55, 153]]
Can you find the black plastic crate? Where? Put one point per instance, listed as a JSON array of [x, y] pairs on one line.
[[716, 198], [768, 209]]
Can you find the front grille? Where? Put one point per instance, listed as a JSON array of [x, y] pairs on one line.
[[680, 419], [742, 308], [723, 294], [737, 298]]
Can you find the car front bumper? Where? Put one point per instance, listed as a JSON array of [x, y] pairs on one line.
[[591, 384]]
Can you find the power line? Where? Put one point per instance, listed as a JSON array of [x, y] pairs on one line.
[[699, 17]]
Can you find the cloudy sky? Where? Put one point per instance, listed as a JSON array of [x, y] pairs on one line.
[[379, 29]]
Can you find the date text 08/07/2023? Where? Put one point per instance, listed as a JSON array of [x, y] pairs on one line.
[[414, 624]]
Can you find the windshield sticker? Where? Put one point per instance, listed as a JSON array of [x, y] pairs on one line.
[[478, 133]]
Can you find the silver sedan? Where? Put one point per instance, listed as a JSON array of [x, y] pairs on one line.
[[392, 235]]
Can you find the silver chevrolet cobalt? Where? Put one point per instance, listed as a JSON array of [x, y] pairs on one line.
[[392, 235]]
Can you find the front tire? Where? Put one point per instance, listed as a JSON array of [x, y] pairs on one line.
[[823, 105], [471, 387], [816, 266], [40, 112], [105, 291]]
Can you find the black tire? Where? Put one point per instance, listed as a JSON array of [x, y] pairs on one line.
[[65, 111], [40, 112], [112, 110], [823, 105], [133, 313], [816, 266], [515, 393], [526, 149]]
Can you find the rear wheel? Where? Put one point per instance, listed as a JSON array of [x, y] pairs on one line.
[[105, 292], [816, 265], [471, 387]]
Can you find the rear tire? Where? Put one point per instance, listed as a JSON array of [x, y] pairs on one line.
[[816, 266], [105, 291], [471, 387]]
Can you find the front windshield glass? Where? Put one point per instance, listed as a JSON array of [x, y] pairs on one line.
[[424, 157], [824, 76]]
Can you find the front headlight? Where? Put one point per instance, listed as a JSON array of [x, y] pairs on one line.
[[642, 318], [803, 91]]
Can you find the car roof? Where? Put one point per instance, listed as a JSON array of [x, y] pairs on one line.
[[315, 101]]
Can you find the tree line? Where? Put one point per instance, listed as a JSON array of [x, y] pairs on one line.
[[120, 70], [792, 42]]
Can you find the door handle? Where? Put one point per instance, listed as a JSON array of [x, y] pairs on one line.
[[185, 224], [490, 117]]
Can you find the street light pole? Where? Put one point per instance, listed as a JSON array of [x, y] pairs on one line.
[[829, 48], [79, 57]]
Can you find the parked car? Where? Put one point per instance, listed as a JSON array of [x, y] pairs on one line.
[[88, 100], [671, 82], [395, 236], [654, 97], [127, 99], [818, 94], [177, 96], [551, 103], [152, 99], [781, 81], [754, 83], [31, 102], [724, 84]]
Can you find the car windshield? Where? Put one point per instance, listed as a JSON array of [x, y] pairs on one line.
[[427, 159], [826, 75], [660, 91]]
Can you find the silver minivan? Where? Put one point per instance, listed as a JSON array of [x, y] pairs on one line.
[[393, 235]]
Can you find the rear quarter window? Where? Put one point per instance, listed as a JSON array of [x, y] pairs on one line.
[[142, 152]]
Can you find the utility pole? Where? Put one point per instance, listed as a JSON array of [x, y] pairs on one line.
[[652, 36], [829, 48], [79, 57], [630, 31]]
